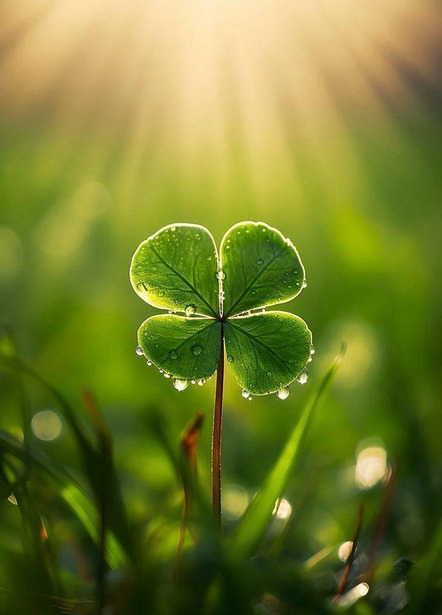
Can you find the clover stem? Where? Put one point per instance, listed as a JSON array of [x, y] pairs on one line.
[[216, 435]]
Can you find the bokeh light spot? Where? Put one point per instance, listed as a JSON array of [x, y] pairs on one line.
[[345, 550], [283, 509], [46, 425], [371, 467]]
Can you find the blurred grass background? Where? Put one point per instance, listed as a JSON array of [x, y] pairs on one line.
[[320, 118]]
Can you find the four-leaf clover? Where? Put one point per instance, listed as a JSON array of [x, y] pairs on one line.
[[221, 299]]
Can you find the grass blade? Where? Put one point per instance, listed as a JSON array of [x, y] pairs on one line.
[[78, 501], [259, 512], [94, 458]]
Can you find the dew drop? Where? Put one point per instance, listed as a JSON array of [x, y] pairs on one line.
[[197, 349], [259, 261], [161, 371], [283, 392], [148, 363], [190, 309], [312, 350], [269, 374], [193, 381], [173, 354], [166, 375], [138, 351], [12, 499], [246, 394], [180, 384], [201, 381], [304, 284], [173, 229], [303, 377], [197, 236], [253, 292], [230, 358]]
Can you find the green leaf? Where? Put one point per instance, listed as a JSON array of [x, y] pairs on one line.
[[267, 351], [259, 512], [187, 348], [176, 269], [261, 268]]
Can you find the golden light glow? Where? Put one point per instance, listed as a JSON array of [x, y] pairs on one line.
[[220, 88]]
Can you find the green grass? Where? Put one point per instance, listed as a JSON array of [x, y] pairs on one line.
[[105, 559]]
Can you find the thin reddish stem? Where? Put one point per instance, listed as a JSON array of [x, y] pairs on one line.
[[216, 435]]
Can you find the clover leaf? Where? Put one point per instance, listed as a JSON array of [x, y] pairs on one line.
[[221, 300]]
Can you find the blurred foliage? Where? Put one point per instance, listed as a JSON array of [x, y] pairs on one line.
[[322, 120]]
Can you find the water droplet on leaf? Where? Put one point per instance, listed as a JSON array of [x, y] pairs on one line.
[[197, 349], [230, 358], [148, 363], [259, 261], [303, 377], [201, 381], [190, 309], [173, 354], [283, 392], [180, 384], [245, 394], [139, 351]]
